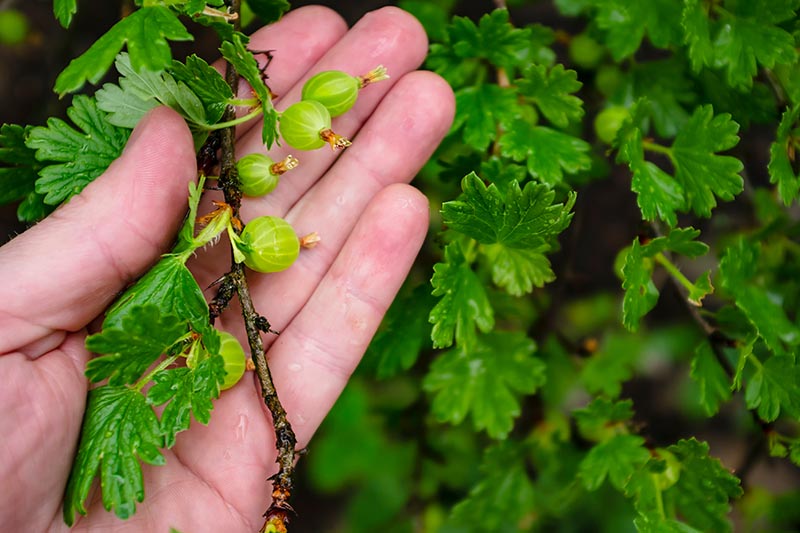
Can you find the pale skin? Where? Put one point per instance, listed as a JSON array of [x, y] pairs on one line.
[[60, 275]]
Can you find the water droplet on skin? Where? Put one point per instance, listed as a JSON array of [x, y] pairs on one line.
[[340, 200], [241, 427], [295, 367]]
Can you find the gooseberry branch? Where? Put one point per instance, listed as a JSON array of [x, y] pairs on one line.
[[277, 514]]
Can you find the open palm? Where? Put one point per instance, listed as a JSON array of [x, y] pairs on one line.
[[59, 276]]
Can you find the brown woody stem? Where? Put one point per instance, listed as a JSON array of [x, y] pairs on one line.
[[277, 515]]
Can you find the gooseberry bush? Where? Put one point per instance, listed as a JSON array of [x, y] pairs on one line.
[[601, 333]]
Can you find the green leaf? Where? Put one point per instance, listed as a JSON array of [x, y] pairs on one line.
[[599, 420], [641, 294], [552, 92], [84, 153], [704, 489], [207, 83], [617, 458], [494, 38], [612, 364], [479, 110], [143, 335], [170, 288], [189, 392], [485, 381], [119, 430], [715, 385], [464, 302], [236, 54], [504, 494], [138, 92], [774, 387], [522, 218], [433, 17], [627, 22], [403, 333], [702, 173], [666, 86], [269, 11], [19, 169], [658, 195], [145, 31], [518, 270], [739, 275], [64, 10], [548, 153], [782, 156], [742, 36]]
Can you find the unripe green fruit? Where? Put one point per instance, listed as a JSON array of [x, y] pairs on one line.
[[585, 52], [608, 122], [306, 125], [334, 89], [269, 244], [235, 359], [609, 79], [13, 26], [259, 173]]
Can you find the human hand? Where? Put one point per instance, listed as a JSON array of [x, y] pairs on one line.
[[60, 275]]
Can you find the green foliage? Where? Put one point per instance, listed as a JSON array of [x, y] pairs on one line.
[[483, 380], [74, 157], [142, 337], [145, 32], [236, 54], [641, 294], [119, 430], [464, 304], [186, 392]]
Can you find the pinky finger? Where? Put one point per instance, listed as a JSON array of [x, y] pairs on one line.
[[315, 354]]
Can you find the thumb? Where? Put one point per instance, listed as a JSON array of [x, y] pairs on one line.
[[64, 271]]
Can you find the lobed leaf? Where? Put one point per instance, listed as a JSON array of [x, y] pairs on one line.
[[145, 31], [464, 303], [782, 156], [551, 91], [119, 430], [484, 380], [131, 346], [548, 153], [83, 154], [187, 392], [236, 54]]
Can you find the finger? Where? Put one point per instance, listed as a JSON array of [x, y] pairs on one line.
[[391, 148], [314, 356], [73, 263], [390, 37]]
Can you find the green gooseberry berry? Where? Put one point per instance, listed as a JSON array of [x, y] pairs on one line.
[[269, 244], [585, 52], [14, 26], [306, 125], [259, 173], [338, 90], [235, 359], [608, 122]]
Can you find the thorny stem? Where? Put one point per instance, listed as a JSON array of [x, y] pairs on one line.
[[277, 515]]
